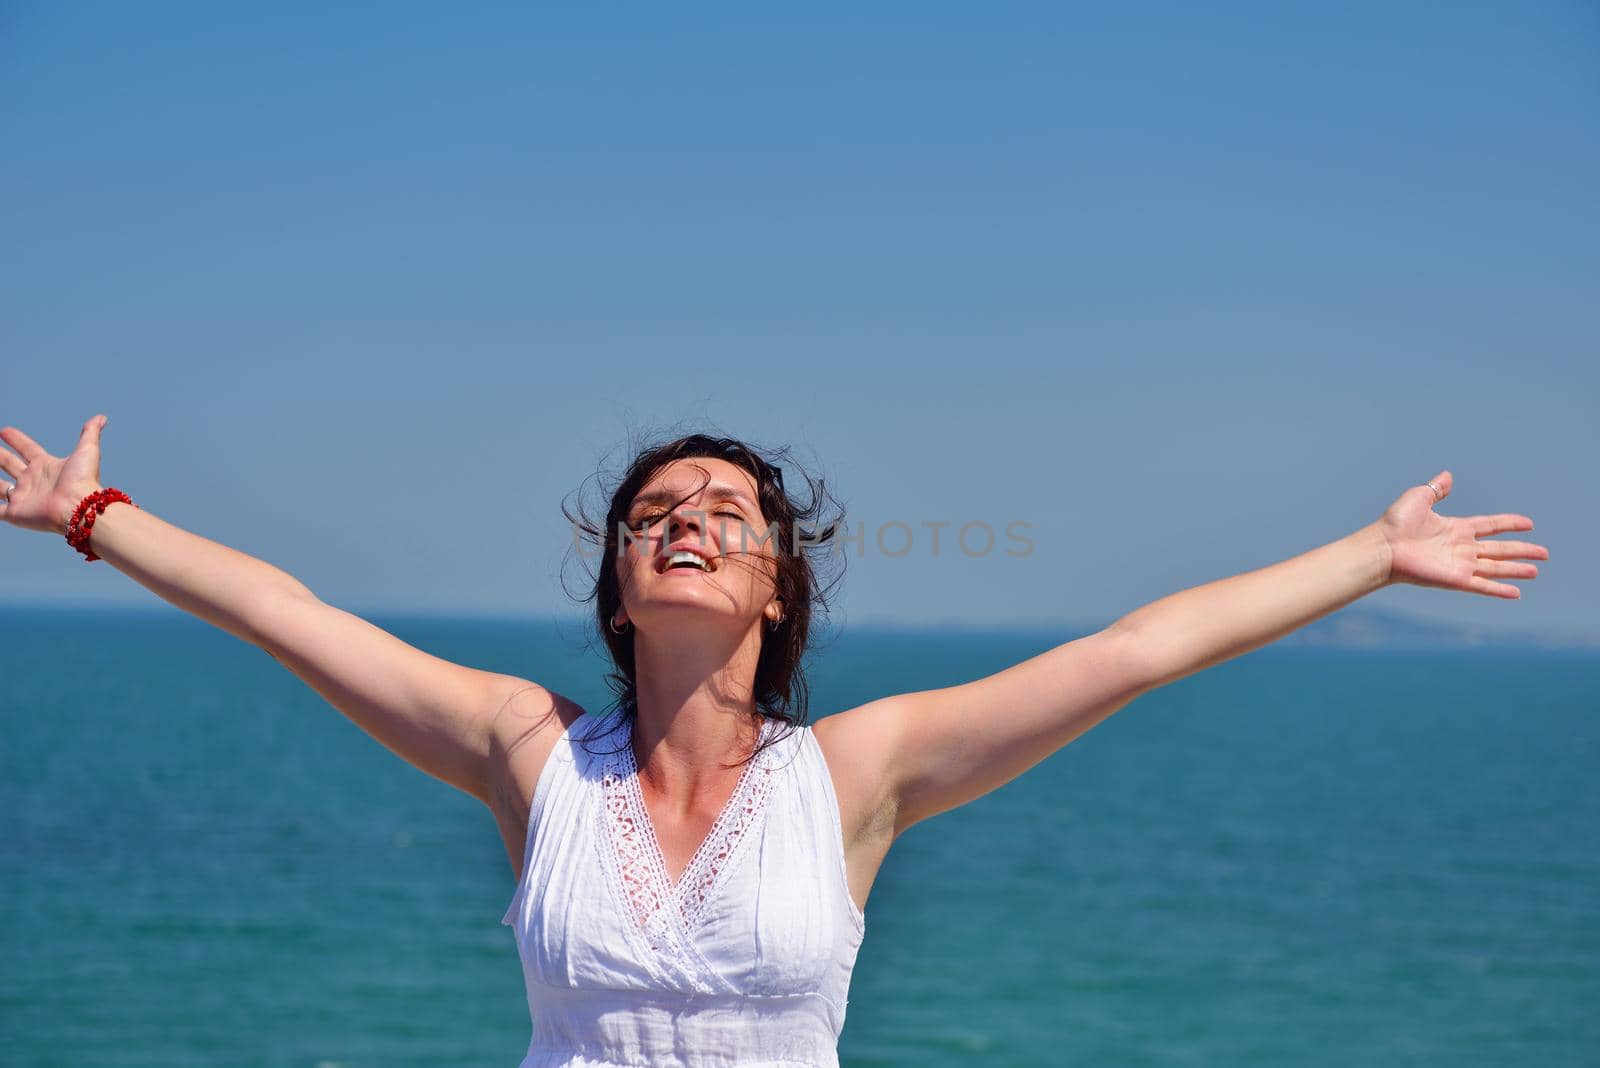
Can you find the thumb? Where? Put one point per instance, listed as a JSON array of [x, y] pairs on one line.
[[93, 427]]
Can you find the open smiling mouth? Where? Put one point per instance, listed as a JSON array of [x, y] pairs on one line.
[[687, 561]]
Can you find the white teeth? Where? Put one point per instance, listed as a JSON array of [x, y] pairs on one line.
[[680, 556]]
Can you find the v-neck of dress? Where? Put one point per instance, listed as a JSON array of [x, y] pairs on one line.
[[641, 864]]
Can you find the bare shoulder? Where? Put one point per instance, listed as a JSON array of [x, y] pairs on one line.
[[531, 716], [529, 721], [859, 745]]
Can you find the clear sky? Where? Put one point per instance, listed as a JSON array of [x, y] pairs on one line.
[[368, 290]]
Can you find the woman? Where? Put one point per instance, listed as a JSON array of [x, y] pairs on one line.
[[694, 864]]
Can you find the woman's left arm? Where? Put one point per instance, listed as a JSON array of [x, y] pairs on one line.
[[913, 755], [1196, 628]]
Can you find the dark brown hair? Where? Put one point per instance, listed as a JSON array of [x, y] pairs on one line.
[[798, 532]]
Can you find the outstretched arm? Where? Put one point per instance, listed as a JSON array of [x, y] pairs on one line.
[[1196, 628], [437, 715], [927, 752]]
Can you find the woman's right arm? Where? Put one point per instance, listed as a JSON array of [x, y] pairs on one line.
[[435, 714]]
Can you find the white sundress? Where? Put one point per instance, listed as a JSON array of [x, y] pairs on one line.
[[746, 961]]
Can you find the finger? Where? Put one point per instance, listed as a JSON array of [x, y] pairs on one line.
[[1442, 481], [1505, 569], [11, 463], [91, 429], [1512, 550], [31, 450], [1485, 525], [1493, 589]]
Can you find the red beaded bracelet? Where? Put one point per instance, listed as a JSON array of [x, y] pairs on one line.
[[83, 517]]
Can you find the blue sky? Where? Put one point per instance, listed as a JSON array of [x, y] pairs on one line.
[[367, 291]]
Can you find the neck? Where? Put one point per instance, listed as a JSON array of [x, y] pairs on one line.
[[696, 714]]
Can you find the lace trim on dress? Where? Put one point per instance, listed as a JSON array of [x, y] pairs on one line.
[[640, 868], [707, 868]]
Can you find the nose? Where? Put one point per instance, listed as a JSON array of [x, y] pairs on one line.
[[684, 518]]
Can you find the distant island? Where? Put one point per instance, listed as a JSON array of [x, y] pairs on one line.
[[1371, 628], [1356, 627]]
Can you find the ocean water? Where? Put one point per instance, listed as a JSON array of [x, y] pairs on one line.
[[1302, 856]]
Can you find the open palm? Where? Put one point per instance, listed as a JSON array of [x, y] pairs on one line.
[[1444, 552], [45, 489]]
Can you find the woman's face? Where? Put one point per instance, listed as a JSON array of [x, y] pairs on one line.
[[714, 515]]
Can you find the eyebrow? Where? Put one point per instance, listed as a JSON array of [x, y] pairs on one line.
[[716, 491]]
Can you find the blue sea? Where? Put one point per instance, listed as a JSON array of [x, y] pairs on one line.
[[1299, 857]]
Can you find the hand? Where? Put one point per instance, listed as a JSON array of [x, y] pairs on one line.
[[47, 488], [1426, 549]]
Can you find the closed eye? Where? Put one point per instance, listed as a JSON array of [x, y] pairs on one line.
[[646, 520]]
